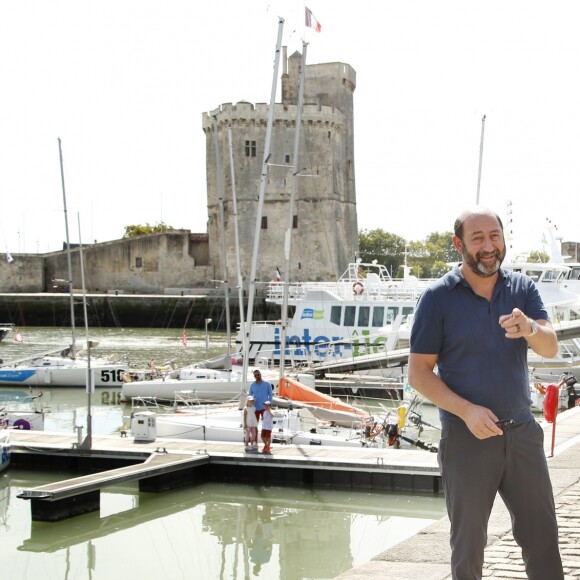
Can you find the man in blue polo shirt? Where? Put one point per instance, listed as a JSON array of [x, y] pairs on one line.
[[475, 324], [261, 390]]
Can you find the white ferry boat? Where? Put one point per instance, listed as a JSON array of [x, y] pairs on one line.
[[365, 311]]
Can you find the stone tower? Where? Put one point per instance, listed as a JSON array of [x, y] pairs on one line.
[[325, 232]]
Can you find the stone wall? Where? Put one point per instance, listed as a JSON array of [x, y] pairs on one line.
[[24, 274], [167, 262]]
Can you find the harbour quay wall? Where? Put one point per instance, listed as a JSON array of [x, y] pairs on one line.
[[118, 310], [159, 280]]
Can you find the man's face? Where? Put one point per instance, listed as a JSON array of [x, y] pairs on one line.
[[482, 245], [257, 376]]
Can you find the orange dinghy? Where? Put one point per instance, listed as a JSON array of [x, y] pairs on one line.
[[323, 406]]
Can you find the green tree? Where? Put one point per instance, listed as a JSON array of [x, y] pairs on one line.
[[388, 249], [424, 259], [140, 230], [430, 258], [538, 257]]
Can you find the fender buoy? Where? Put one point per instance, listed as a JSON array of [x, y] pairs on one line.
[[551, 403], [358, 288], [540, 388], [22, 424], [402, 414]]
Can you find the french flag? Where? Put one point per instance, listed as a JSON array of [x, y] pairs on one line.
[[278, 275], [311, 21]]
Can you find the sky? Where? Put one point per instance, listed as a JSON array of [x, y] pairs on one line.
[[124, 83]]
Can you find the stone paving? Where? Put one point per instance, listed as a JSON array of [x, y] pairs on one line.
[[503, 558], [426, 555]]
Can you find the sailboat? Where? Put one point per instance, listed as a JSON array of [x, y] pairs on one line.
[[64, 368]]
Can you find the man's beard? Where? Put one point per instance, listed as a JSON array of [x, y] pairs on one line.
[[479, 269]]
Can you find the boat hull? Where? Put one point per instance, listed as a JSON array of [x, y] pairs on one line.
[[63, 375], [5, 450], [292, 426], [209, 390]]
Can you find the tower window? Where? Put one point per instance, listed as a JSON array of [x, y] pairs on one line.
[[294, 221], [264, 222], [287, 158], [250, 148], [138, 262]]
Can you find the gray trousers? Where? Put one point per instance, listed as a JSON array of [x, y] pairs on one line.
[[514, 465]]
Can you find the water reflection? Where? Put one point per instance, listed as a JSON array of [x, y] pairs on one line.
[[204, 532], [210, 531]]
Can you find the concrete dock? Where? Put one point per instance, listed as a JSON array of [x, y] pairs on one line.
[[427, 554]]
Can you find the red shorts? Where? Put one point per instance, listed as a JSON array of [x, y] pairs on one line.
[[259, 414], [266, 432]]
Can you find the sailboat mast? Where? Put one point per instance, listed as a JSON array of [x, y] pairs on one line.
[[480, 160], [222, 226], [288, 235], [263, 181], [87, 443], [237, 238], [70, 279]]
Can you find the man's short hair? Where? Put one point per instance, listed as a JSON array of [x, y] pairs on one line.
[[469, 212]]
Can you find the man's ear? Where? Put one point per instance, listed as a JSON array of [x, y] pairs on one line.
[[457, 244]]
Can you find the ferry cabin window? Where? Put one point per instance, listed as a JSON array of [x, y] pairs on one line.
[[250, 148], [534, 274], [364, 313], [349, 312], [392, 312], [378, 316], [335, 313], [550, 276], [407, 311], [575, 273]]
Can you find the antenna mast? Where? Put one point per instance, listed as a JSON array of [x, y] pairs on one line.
[[480, 159]]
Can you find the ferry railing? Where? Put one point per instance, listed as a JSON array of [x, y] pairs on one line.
[[396, 291]]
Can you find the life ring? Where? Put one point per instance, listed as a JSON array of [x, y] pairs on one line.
[[358, 288]]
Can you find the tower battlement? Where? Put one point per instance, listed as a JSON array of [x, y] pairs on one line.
[[244, 113]]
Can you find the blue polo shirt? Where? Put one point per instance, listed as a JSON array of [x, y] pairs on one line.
[[475, 359], [261, 392]]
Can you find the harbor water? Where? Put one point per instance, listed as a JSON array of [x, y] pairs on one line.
[[208, 531]]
